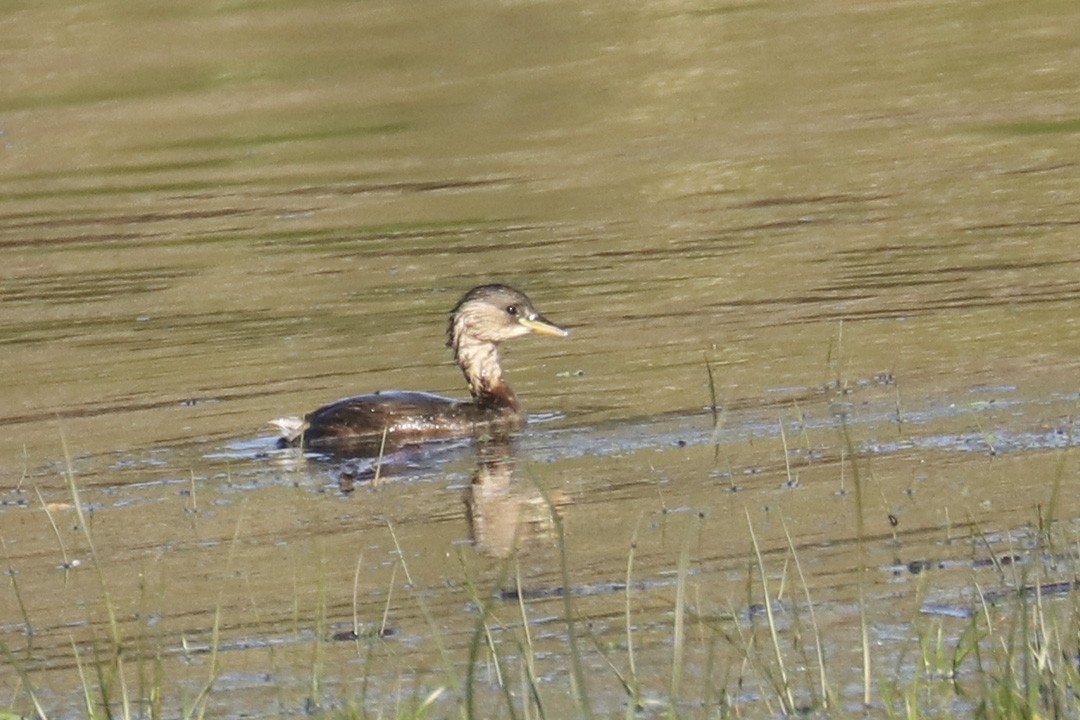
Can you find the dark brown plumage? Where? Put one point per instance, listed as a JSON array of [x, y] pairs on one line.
[[484, 317]]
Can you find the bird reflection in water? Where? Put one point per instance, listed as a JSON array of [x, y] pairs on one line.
[[505, 513]]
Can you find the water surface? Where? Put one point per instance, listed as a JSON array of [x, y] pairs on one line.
[[861, 220]]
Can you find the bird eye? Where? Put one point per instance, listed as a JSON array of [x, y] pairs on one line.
[[512, 310]]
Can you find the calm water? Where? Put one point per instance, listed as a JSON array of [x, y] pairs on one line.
[[861, 221]]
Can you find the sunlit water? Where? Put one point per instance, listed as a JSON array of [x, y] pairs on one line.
[[860, 221]]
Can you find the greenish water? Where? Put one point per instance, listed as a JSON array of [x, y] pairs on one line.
[[862, 219]]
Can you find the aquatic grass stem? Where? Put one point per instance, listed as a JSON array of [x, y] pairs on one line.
[[787, 454], [713, 407], [528, 652], [860, 568], [428, 701], [633, 706], [55, 528], [823, 684], [745, 643], [709, 691], [717, 415], [24, 678], [379, 459], [114, 627], [482, 632], [386, 606], [144, 650], [679, 629], [987, 437], [73, 490], [1055, 488], [577, 674], [194, 500], [356, 598], [787, 700], [833, 359], [198, 706], [804, 432], [318, 650], [27, 627], [977, 530], [899, 411], [444, 655], [634, 686], [87, 699]]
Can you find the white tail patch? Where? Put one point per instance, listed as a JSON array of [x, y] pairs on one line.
[[291, 428]]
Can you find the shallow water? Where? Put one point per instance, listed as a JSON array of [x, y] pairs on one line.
[[860, 221]]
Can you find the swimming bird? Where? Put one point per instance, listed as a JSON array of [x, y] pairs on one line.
[[365, 425]]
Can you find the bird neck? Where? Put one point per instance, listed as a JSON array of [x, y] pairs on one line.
[[479, 362]]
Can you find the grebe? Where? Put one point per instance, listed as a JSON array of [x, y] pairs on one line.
[[364, 425]]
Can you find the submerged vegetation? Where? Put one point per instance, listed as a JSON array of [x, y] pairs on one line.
[[638, 647]]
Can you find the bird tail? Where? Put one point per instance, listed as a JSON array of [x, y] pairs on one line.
[[291, 428]]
